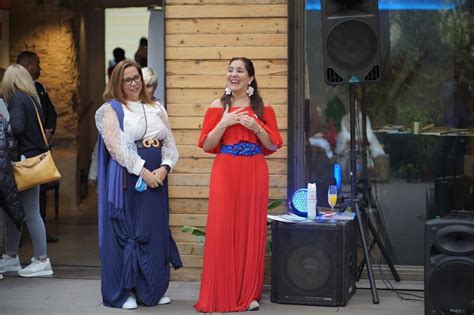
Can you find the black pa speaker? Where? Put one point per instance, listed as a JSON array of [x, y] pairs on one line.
[[450, 193], [313, 263], [351, 41], [449, 266]]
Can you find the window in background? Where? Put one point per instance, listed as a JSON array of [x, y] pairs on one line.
[[428, 82]]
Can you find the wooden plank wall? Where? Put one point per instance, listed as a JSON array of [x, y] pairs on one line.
[[201, 37]]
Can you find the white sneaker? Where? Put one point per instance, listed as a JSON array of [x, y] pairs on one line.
[[254, 306], [8, 264], [37, 268], [164, 300], [130, 303]]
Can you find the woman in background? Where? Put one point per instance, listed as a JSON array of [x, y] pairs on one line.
[[23, 105], [151, 83]]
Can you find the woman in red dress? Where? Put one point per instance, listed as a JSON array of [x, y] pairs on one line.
[[240, 128]]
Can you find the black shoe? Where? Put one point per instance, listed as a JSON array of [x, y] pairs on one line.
[[51, 239]]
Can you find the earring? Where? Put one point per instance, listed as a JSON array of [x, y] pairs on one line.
[[227, 91], [250, 90]]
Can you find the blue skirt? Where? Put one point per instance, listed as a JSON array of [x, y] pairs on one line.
[[138, 250]]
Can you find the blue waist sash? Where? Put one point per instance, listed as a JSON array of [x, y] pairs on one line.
[[241, 149]]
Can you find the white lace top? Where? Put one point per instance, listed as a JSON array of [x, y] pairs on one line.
[[121, 145]]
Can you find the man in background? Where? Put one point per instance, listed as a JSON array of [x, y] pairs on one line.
[[141, 56], [119, 55], [31, 62]]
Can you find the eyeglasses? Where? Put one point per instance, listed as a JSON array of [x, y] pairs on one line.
[[128, 81]]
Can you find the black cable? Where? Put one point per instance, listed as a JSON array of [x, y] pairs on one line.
[[389, 286]]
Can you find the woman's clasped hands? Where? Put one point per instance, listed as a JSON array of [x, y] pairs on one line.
[[249, 123], [239, 116], [154, 179], [232, 118]]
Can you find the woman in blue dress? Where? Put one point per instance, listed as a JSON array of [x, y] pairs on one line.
[[136, 152]]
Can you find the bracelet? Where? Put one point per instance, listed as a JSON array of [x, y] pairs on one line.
[[167, 167], [260, 129]]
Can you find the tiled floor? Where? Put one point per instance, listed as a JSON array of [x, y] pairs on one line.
[[55, 296], [77, 232]]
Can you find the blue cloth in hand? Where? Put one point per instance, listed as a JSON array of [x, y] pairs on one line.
[[140, 185]]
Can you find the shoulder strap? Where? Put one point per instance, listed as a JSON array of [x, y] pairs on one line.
[[117, 106], [40, 124]]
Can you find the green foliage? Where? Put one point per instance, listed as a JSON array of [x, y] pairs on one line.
[[200, 234], [419, 114], [426, 46], [457, 30], [275, 204], [334, 112], [429, 153]]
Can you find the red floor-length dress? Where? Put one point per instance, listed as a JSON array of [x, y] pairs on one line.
[[234, 249]]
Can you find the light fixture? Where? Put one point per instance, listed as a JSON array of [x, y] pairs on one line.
[[298, 203]]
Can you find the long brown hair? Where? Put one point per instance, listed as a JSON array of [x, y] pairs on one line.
[[114, 89], [256, 101]]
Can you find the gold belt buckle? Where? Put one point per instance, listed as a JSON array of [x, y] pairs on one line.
[[151, 143]]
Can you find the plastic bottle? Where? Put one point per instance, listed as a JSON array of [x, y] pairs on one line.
[[311, 206]]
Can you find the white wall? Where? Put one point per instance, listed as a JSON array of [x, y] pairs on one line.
[[156, 50], [123, 28]]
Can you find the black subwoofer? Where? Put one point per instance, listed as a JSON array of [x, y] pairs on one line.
[[313, 263], [351, 41], [449, 266]]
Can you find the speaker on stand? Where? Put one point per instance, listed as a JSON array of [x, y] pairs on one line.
[[352, 55], [351, 41], [449, 265]]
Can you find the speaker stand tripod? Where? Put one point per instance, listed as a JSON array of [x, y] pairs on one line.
[[384, 249], [361, 214], [368, 201]]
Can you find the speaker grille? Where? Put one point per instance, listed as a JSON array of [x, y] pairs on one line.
[[457, 240], [451, 287], [352, 45], [312, 263], [373, 75], [332, 76], [309, 269]]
